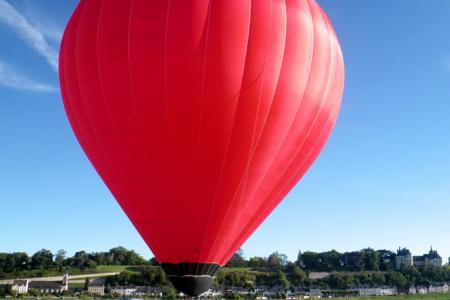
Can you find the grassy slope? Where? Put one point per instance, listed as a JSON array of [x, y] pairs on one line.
[[107, 269], [75, 271]]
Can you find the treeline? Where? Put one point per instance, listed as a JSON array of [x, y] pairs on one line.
[[365, 267], [403, 279], [355, 261], [44, 262], [291, 275]]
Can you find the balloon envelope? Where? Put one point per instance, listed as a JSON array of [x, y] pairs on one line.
[[200, 115]]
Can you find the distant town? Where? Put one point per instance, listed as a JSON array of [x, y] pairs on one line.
[[123, 273]]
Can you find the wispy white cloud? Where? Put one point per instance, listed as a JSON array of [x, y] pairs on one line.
[[11, 78], [29, 33]]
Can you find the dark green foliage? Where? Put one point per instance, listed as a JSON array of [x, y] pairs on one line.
[[42, 259], [44, 263], [149, 276], [257, 262], [235, 278], [282, 280], [169, 293], [237, 260], [276, 260]]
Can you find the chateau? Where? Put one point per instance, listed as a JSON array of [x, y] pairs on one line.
[[430, 259], [403, 258]]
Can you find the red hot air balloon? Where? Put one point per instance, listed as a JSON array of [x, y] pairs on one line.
[[200, 115]]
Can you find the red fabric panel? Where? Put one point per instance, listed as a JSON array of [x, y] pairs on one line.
[[200, 115]]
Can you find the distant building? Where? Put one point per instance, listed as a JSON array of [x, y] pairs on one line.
[[123, 290], [20, 286], [427, 260], [213, 293], [377, 291], [443, 288], [50, 287], [422, 290], [47, 287], [314, 292], [149, 291], [403, 258], [96, 289]]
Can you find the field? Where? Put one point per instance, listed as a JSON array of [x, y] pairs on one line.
[[108, 269], [411, 297]]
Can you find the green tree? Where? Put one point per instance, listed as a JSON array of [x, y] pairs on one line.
[[371, 260], [169, 293], [42, 259], [275, 260], [282, 280], [237, 260], [297, 275], [299, 260], [378, 279], [386, 258], [330, 261], [397, 279], [340, 281], [257, 262], [60, 257], [311, 261], [353, 261], [412, 275]]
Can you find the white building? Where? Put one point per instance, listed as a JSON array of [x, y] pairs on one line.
[[212, 293], [123, 290], [20, 286], [96, 289], [421, 290], [377, 291], [438, 288], [316, 293], [47, 287]]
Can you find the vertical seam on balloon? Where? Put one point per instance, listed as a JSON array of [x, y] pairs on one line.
[[265, 123], [255, 123], [113, 132], [264, 212], [105, 166], [132, 98], [202, 103], [276, 88], [247, 168], [249, 160], [242, 235], [98, 73], [330, 76], [323, 131], [332, 71], [294, 118], [288, 182], [287, 133], [229, 142], [169, 240]]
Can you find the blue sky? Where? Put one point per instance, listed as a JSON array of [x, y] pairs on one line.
[[382, 181]]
